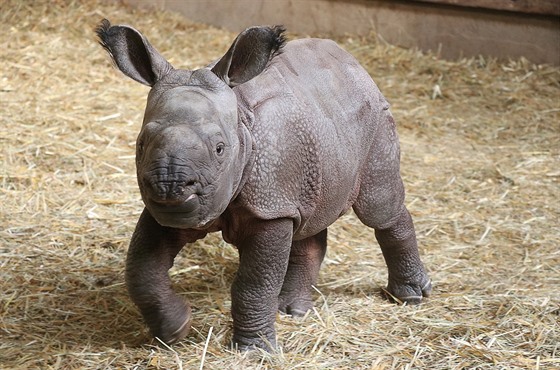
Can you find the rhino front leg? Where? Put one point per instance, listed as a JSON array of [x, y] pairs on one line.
[[264, 251], [306, 257], [150, 256]]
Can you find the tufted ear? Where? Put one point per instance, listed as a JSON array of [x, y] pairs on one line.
[[249, 54], [132, 53]]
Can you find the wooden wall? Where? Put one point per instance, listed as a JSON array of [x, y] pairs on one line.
[[451, 28], [543, 7]]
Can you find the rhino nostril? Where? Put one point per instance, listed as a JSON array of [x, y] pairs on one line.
[[164, 188]]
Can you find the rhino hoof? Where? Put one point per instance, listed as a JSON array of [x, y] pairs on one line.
[[297, 308], [180, 333], [411, 294], [175, 328]]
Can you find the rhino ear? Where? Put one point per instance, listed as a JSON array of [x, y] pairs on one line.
[[132, 53], [249, 54]]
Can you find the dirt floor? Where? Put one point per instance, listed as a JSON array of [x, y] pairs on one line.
[[480, 160]]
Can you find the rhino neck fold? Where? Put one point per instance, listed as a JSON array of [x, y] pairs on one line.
[[246, 153]]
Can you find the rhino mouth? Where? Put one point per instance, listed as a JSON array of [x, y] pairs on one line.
[[183, 214]]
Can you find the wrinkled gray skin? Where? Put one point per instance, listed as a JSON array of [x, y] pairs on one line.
[[270, 145]]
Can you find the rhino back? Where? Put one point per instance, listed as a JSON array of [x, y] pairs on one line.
[[313, 114]]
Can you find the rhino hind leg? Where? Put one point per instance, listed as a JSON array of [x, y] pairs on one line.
[[306, 257], [380, 205], [408, 280]]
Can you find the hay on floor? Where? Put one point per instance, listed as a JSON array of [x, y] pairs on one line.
[[480, 159]]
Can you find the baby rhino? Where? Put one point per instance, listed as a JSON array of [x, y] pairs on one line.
[[269, 145]]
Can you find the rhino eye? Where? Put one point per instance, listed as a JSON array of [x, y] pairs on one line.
[[220, 148]]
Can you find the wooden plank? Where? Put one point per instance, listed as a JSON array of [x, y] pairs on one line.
[[543, 7]]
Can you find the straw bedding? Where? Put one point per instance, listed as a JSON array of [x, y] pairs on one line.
[[480, 159]]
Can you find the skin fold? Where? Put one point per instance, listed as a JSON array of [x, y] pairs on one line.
[[270, 145]]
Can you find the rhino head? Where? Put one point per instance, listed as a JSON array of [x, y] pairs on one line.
[[192, 149]]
